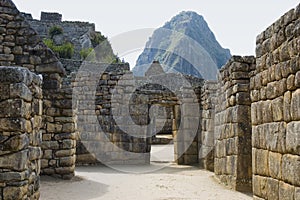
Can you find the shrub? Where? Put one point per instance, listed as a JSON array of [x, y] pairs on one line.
[[63, 51], [97, 38], [55, 30], [85, 52]]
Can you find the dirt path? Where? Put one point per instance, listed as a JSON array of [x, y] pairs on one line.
[[170, 183]]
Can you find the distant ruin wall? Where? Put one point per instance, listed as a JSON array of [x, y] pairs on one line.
[[275, 113], [72, 31], [207, 138], [20, 135], [233, 124], [54, 17]]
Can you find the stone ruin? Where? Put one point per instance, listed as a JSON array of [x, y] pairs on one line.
[[244, 127]]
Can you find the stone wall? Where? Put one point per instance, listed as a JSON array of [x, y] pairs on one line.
[[105, 136], [21, 46], [73, 32], [207, 140], [275, 113], [59, 136], [20, 135], [233, 124], [54, 17]]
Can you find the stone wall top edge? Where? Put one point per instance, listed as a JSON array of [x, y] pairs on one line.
[[284, 20], [240, 59], [59, 22], [14, 74]]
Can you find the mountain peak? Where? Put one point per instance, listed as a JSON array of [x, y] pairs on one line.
[[184, 44]]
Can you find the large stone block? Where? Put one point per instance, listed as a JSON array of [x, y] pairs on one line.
[[287, 106], [295, 105], [262, 162], [15, 161], [291, 169], [275, 160], [275, 134], [286, 191], [293, 138], [16, 143], [13, 193], [14, 124], [273, 189], [15, 75], [277, 108]]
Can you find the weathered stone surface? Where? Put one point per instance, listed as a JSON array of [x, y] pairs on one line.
[[290, 169], [15, 161], [275, 110], [286, 191], [295, 105], [293, 138], [272, 189]]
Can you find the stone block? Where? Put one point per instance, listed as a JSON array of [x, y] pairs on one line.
[[67, 161], [20, 90], [35, 153], [275, 160], [54, 128], [295, 105], [16, 143], [13, 124], [65, 153], [297, 80], [12, 176], [267, 112], [68, 127], [272, 189], [286, 191], [262, 162], [13, 193], [14, 74], [291, 169], [260, 186], [297, 193], [16, 161], [241, 114], [291, 82], [275, 134], [287, 106], [293, 138], [277, 108]]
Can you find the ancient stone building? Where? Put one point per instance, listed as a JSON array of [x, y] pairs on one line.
[[244, 127]]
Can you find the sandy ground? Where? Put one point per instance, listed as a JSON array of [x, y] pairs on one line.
[[162, 182]]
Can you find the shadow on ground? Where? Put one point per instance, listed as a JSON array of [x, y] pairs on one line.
[[76, 189]]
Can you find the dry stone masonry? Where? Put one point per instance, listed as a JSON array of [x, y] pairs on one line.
[[20, 135], [21, 46], [207, 137], [233, 124], [75, 32], [275, 110], [245, 127]]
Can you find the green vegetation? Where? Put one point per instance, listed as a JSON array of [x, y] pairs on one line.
[[65, 50], [97, 38], [88, 53], [55, 30]]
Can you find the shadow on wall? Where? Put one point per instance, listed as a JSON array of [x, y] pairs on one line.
[[76, 189]]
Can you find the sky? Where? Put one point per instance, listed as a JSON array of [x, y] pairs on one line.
[[235, 23]]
